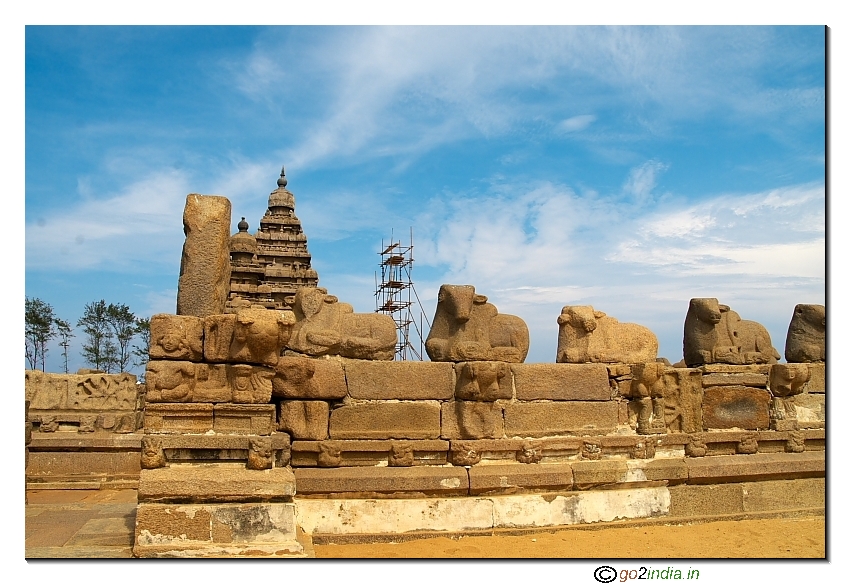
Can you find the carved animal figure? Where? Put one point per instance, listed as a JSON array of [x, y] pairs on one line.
[[466, 327], [714, 333], [588, 335], [806, 340], [326, 326]]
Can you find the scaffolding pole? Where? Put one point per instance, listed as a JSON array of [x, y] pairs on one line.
[[395, 294]]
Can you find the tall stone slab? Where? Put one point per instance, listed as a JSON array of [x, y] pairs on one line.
[[205, 266]]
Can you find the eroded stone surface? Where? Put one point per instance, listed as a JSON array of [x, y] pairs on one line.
[[173, 381], [309, 378], [588, 335], [806, 340], [472, 420], [177, 337], [562, 382], [215, 482], [304, 419], [714, 333], [560, 418], [467, 327], [205, 264], [683, 395], [386, 420], [483, 381], [399, 380], [741, 407], [325, 326]]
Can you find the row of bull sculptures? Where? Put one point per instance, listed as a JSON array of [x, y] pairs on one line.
[[467, 327]]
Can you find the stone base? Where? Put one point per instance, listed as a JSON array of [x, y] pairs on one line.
[[217, 530]]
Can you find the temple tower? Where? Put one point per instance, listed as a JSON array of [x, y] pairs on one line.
[[268, 268]]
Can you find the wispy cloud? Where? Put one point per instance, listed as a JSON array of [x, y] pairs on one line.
[[642, 181], [576, 123], [545, 247]]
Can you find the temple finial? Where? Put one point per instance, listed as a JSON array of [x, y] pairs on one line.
[[281, 182]]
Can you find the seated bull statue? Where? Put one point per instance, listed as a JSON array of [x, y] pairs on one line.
[[714, 333], [466, 327], [806, 340], [325, 326], [587, 335]]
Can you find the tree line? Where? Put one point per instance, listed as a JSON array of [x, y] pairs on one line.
[[108, 332]]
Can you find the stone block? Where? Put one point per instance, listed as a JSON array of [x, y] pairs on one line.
[[365, 482], [745, 468], [546, 510], [178, 381], [483, 381], [244, 419], [683, 395], [177, 337], [215, 482], [408, 380], [257, 529], [304, 419], [778, 495], [510, 478], [811, 410], [732, 379], [250, 384], [472, 420], [560, 418], [80, 392], [309, 378], [817, 378], [706, 500], [386, 420], [735, 407], [171, 521], [218, 335], [178, 417], [596, 472], [80, 464], [204, 279], [562, 382], [735, 368], [380, 452]]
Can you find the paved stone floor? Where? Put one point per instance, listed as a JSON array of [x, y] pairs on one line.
[[80, 523]]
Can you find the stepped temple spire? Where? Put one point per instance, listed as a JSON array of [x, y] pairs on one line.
[[267, 268]]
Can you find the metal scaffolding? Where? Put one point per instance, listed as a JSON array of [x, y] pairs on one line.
[[395, 296]]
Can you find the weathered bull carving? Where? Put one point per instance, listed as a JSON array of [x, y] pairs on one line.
[[466, 327], [714, 333], [326, 326], [587, 335], [806, 340]]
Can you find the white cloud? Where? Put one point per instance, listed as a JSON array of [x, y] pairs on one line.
[[141, 222], [576, 123], [372, 88], [642, 180], [544, 247]]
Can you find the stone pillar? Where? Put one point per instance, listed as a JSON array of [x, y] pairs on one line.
[[205, 266]]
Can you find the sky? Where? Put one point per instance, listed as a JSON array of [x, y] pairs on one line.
[[628, 168]]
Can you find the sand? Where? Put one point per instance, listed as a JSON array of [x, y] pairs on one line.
[[767, 538]]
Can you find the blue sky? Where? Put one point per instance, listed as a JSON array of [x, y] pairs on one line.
[[630, 168]]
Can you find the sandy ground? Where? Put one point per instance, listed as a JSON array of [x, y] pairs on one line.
[[774, 538]]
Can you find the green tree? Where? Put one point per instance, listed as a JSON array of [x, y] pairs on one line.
[[98, 349], [142, 350], [63, 328], [123, 324], [39, 328]]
